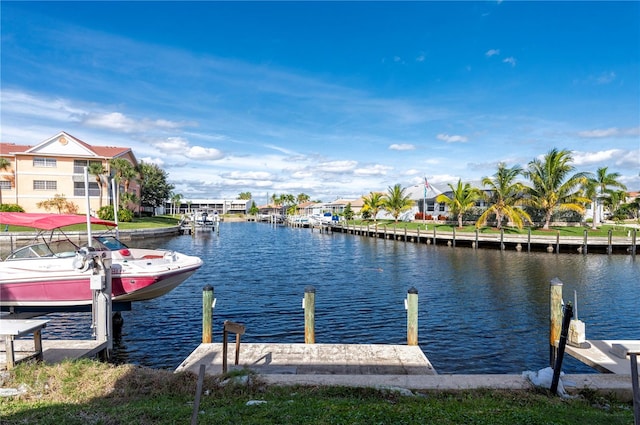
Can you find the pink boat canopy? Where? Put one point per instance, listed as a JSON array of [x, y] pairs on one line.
[[44, 221]]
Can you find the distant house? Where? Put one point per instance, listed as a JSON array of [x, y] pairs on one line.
[[222, 206], [56, 167]]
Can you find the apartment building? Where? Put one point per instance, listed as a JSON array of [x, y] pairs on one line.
[[56, 167]]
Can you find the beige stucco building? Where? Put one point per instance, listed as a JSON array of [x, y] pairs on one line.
[[56, 167]]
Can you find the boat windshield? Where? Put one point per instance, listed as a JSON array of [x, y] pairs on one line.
[[58, 248], [110, 243]]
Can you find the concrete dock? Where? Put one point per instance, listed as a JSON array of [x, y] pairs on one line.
[[314, 359], [601, 355], [53, 351]]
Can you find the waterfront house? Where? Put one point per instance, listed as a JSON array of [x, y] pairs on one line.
[[55, 166]]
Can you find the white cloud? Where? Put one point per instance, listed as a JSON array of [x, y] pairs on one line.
[[451, 138], [402, 147], [376, 170], [510, 60], [337, 166], [606, 78], [492, 52], [248, 175], [421, 57], [157, 161], [199, 152], [587, 158], [599, 133]]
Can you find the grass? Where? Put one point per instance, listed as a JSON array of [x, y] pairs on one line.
[[89, 392]]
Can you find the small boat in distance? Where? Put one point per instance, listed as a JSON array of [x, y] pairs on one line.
[[49, 272]]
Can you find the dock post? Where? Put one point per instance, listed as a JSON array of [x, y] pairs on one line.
[[412, 316], [609, 247], [434, 235], [309, 305], [454, 236], [501, 239], [558, 242], [633, 241], [529, 239], [555, 318], [476, 245], [585, 241], [101, 285], [566, 319], [207, 313]]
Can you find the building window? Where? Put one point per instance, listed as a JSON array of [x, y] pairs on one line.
[[5, 185], [79, 164], [44, 162], [45, 185], [78, 189]]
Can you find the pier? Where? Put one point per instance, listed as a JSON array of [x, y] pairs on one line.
[[552, 243], [314, 359]]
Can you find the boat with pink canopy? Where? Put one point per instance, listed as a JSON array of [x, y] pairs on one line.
[[52, 271]]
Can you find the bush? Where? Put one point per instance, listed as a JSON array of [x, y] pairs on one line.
[[106, 213], [11, 208]]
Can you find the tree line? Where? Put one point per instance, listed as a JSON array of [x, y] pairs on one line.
[[554, 187]]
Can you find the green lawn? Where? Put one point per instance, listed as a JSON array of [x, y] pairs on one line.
[[87, 392]]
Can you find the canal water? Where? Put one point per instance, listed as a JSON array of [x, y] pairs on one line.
[[480, 311]]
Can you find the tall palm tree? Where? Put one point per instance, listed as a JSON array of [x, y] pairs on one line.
[[373, 203], [302, 198], [124, 172], [396, 202], [176, 200], [463, 198], [505, 196], [554, 188], [602, 182], [97, 169], [5, 165]]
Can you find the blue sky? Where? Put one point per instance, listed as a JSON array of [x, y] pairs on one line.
[[333, 99]]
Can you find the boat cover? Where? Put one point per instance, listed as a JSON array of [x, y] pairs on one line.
[[44, 221]]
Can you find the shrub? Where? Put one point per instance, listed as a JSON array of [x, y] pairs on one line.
[[106, 213], [11, 208]]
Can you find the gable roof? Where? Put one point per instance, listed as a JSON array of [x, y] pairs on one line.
[[64, 144]]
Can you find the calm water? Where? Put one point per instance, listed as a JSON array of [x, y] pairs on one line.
[[481, 311]]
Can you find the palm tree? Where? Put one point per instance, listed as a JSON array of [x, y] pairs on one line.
[[302, 198], [600, 186], [5, 165], [176, 200], [463, 198], [396, 202], [373, 203], [553, 187], [97, 169], [505, 197]]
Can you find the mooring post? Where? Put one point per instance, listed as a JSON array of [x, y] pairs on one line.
[[558, 242], [529, 239], [610, 235], [476, 245], [412, 316], [207, 313], [585, 241], [309, 305], [501, 239], [454, 236], [555, 318], [434, 234], [568, 314], [634, 233]]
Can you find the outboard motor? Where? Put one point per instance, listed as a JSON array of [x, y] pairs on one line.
[[84, 258]]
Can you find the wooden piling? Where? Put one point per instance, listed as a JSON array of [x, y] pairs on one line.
[[609, 246], [412, 316], [454, 236], [501, 239], [476, 244], [585, 241], [555, 318], [558, 242], [309, 315], [207, 313], [529, 239], [633, 241]]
